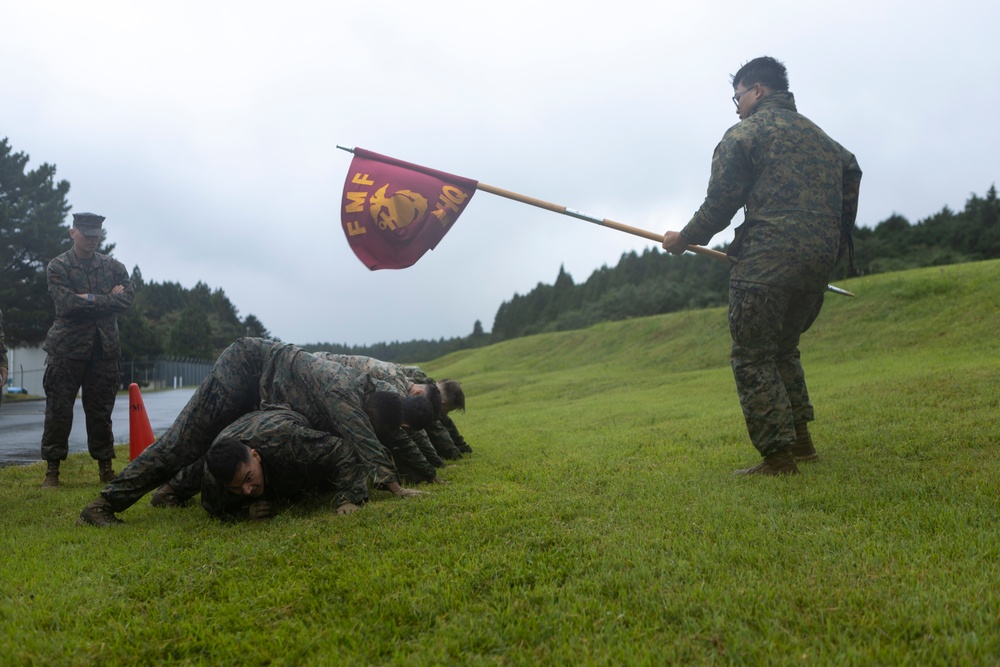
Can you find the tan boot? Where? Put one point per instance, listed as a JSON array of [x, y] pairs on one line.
[[105, 472], [782, 463], [803, 449], [51, 476], [165, 496], [98, 513]]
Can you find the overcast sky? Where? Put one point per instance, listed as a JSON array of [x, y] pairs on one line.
[[206, 131]]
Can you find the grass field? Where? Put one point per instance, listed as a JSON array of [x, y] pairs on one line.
[[597, 521]]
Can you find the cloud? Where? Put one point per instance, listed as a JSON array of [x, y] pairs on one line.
[[207, 132]]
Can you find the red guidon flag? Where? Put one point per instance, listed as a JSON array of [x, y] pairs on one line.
[[394, 211]]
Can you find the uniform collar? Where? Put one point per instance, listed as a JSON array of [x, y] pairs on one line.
[[779, 100]]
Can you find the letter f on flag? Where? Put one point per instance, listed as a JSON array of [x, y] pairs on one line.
[[393, 211]]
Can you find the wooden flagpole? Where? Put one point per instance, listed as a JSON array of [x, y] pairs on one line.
[[652, 236]]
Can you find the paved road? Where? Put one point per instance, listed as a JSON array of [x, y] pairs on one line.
[[21, 423]]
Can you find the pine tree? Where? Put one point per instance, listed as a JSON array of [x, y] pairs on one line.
[[33, 209]]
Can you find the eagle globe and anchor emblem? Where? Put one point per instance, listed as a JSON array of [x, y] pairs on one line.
[[397, 211]]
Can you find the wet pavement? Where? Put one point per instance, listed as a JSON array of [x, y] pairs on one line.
[[21, 423]]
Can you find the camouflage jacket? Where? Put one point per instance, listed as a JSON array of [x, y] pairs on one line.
[[3, 346], [799, 187], [79, 323], [296, 460], [331, 396], [411, 450], [416, 374], [380, 370]]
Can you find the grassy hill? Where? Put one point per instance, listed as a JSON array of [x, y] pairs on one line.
[[597, 521]]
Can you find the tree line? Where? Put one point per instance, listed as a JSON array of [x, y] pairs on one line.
[[199, 322], [165, 319], [655, 282]]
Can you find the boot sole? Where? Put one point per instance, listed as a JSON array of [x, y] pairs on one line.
[[82, 520]]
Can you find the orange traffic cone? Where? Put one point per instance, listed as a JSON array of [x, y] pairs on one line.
[[140, 433]]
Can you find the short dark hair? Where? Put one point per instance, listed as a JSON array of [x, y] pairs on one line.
[[452, 393], [418, 412], [385, 412], [224, 458], [766, 71]]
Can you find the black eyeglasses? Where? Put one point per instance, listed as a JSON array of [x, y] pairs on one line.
[[736, 98]]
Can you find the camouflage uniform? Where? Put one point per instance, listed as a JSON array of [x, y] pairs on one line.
[[296, 460], [414, 455], [800, 189], [383, 370], [83, 350], [443, 433], [252, 374]]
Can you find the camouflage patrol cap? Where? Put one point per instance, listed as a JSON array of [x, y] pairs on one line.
[[88, 223]]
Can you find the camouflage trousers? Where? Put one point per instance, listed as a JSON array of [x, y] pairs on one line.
[[98, 379], [424, 443], [230, 390], [187, 483], [414, 456], [456, 437], [441, 440], [765, 323]]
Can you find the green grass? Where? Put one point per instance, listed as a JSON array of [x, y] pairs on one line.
[[597, 521]]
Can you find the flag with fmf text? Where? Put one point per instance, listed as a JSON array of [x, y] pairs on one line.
[[394, 211]]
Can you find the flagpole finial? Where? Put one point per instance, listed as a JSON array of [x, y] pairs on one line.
[[344, 148]]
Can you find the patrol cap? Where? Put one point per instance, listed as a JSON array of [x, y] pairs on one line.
[[88, 223]]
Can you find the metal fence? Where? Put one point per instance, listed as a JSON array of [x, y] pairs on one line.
[[164, 373], [25, 378], [28, 368]]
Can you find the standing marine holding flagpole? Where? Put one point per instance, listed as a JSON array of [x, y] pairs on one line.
[[799, 191]]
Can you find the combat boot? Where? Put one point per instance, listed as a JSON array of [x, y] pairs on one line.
[[98, 513], [782, 463], [105, 472], [51, 476], [803, 449], [165, 496]]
